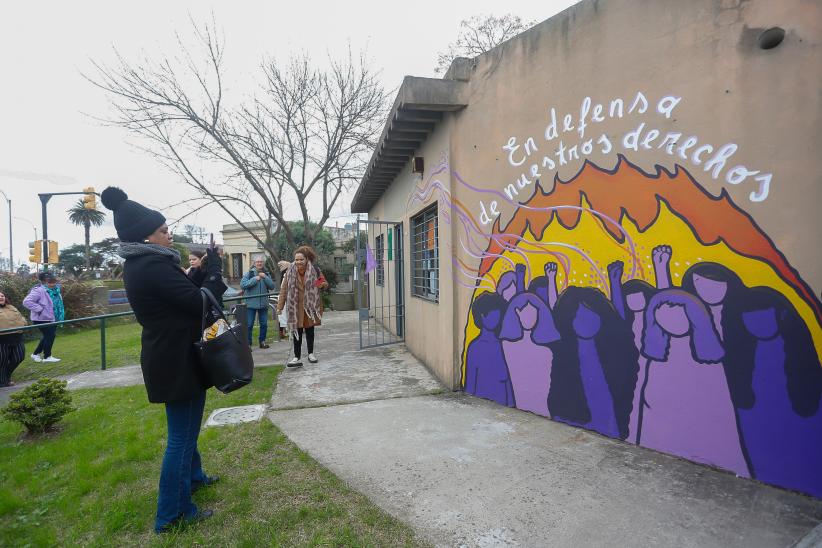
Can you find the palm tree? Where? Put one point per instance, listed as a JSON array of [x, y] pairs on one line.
[[79, 215]]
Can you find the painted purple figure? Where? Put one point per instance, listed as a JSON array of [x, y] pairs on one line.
[[724, 295], [486, 374], [527, 330], [630, 299], [595, 363], [783, 429], [545, 287], [686, 406]]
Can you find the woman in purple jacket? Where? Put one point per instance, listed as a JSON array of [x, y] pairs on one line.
[[42, 312]]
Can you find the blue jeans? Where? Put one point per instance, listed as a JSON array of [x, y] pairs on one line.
[[263, 314], [181, 462]]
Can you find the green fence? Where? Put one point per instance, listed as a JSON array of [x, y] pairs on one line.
[[102, 318]]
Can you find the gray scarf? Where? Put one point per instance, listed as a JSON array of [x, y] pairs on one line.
[[136, 249]]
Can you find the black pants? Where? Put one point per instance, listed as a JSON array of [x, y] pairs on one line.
[[298, 341], [11, 354], [45, 344]]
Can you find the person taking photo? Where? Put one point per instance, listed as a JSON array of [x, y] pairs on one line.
[[168, 306]]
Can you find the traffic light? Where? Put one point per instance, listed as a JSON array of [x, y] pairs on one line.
[[36, 251], [90, 199], [54, 253]]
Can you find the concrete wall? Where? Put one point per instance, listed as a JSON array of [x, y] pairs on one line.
[[429, 334], [639, 179], [342, 301]]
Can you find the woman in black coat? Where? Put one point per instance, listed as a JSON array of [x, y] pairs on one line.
[[168, 305]]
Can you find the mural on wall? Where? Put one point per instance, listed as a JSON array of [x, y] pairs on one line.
[[640, 306]]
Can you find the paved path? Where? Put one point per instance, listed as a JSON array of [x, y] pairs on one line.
[[466, 472], [346, 374]]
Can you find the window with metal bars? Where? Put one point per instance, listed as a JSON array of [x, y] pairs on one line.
[[425, 257], [379, 255]]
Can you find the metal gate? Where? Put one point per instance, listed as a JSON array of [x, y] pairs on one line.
[[378, 280]]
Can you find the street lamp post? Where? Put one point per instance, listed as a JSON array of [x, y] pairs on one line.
[[29, 222], [11, 246]]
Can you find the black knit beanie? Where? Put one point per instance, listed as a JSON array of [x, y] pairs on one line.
[[134, 222]]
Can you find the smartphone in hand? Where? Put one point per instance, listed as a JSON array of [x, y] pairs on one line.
[[211, 242]]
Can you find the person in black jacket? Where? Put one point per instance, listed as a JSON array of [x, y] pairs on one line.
[[197, 271], [168, 305]]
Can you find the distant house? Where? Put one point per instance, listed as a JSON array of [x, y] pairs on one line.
[[343, 261], [241, 248]]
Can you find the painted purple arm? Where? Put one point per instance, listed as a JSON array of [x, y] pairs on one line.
[[551, 276], [520, 278], [471, 379], [662, 259], [615, 281]]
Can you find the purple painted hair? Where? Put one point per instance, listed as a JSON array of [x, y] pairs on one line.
[[802, 369], [544, 331], [507, 279], [705, 345]]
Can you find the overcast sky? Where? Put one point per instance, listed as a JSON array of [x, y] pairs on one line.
[[49, 144]]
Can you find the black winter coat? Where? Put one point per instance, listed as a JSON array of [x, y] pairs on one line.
[[169, 307]]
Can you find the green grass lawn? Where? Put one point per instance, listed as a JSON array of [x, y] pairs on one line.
[[95, 483], [79, 350]]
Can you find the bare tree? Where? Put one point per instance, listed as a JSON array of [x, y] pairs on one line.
[[479, 34], [305, 132]]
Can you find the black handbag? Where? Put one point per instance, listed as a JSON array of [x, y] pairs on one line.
[[226, 359]]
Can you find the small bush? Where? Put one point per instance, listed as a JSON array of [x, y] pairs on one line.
[[16, 287], [40, 406], [78, 298]]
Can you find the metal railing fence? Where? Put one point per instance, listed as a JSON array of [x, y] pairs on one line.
[[103, 317]]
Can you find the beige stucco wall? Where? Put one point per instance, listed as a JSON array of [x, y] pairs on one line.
[[696, 169], [428, 325]]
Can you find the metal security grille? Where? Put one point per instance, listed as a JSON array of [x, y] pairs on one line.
[[379, 282], [425, 258], [379, 252]]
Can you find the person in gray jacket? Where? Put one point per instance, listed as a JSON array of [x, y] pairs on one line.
[[257, 283]]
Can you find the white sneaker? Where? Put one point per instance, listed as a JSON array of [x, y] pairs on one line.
[[51, 359], [36, 357], [312, 358], [294, 362]]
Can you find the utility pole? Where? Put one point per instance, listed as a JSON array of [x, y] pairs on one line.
[[11, 246], [44, 199]]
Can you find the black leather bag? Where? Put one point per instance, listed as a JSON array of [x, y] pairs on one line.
[[226, 360]]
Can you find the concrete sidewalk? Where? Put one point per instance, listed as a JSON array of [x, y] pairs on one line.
[[466, 472]]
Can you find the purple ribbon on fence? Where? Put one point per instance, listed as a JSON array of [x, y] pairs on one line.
[[370, 261]]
